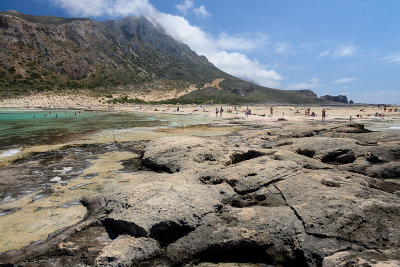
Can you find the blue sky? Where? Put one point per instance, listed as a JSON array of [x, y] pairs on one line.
[[347, 47]]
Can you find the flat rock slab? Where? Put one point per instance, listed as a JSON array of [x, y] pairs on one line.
[[164, 210], [320, 196], [127, 251]]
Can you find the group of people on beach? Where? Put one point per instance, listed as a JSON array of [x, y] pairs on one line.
[[218, 111], [247, 112]]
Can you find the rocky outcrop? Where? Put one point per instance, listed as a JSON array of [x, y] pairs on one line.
[[308, 93], [173, 155], [318, 196], [127, 251], [338, 98]]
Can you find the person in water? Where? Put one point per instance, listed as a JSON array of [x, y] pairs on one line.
[[216, 112], [323, 114], [220, 111]]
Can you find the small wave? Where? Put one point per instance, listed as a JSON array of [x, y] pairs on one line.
[[174, 124], [152, 119], [10, 152], [395, 127]]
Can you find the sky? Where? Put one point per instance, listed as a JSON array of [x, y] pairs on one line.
[[349, 47]]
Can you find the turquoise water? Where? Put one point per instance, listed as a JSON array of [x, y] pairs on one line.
[[382, 125], [21, 128]]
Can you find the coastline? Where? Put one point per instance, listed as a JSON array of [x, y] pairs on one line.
[[64, 175], [260, 113]]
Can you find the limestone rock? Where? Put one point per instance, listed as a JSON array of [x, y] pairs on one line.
[[314, 200], [164, 210], [364, 258], [173, 154], [127, 251], [345, 209], [254, 234]]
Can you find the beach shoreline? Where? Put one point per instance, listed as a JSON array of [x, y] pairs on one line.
[[287, 111], [261, 113]]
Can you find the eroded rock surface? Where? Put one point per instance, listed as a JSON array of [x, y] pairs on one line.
[[323, 195]]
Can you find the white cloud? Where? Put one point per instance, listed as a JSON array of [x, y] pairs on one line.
[[392, 58], [201, 11], [185, 6], [324, 53], [240, 65], [226, 42], [344, 80], [112, 8], [284, 48], [220, 51], [307, 47], [344, 50], [312, 84], [215, 50]]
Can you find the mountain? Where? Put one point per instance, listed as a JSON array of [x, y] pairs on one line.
[[130, 56]]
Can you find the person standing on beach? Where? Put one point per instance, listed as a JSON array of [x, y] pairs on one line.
[[216, 112], [271, 111], [323, 114], [220, 111]]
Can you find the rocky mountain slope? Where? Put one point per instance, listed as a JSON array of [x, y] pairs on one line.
[[43, 53]]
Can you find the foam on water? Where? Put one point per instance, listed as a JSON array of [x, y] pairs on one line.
[[10, 152], [383, 125]]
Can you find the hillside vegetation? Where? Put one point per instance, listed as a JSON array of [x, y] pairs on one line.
[[43, 53]]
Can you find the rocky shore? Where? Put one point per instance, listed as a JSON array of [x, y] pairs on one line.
[[279, 193]]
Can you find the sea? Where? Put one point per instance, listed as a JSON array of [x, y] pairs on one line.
[[21, 128], [382, 125]]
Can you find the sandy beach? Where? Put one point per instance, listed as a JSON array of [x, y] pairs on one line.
[[358, 112]]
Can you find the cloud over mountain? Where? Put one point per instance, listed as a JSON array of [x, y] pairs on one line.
[[221, 51]]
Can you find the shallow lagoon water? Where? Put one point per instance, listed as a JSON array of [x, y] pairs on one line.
[[382, 125], [23, 128]]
